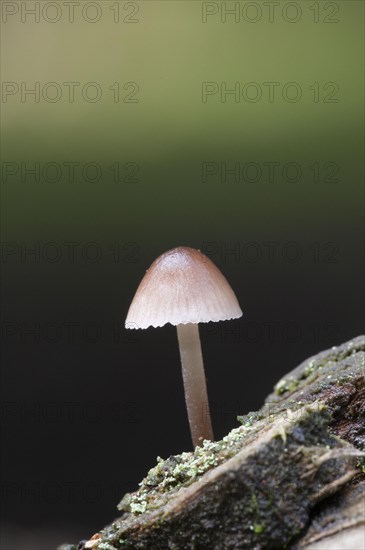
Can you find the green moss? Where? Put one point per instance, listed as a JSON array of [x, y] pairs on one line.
[[286, 385], [246, 420], [361, 465], [344, 377], [253, 507], [258, 528], [311, 368]]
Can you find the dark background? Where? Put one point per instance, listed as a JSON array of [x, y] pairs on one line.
[[88, 406]]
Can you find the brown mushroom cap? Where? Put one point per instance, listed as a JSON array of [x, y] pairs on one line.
[[182, 286]]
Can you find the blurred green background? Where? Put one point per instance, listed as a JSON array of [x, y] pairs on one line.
[[160, 54], [170, 132]]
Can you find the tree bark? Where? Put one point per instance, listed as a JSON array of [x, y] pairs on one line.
[[290, 476]]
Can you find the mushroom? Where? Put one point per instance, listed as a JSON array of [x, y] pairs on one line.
[[184, 287]]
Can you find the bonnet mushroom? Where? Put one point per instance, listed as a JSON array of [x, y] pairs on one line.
[[184, 287]]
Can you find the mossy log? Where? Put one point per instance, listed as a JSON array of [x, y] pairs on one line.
[[292, 475]]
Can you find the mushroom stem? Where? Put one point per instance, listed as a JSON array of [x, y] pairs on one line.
[[196, 395]]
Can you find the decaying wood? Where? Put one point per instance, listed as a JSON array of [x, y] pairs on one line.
[[339, 523], [290, 476]]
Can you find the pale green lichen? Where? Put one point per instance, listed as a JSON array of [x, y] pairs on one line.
[[311, 371], [292, 383], [248, 420], [181, 470], [344, 377], [286, 385], [139, 505], [310, 368]]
